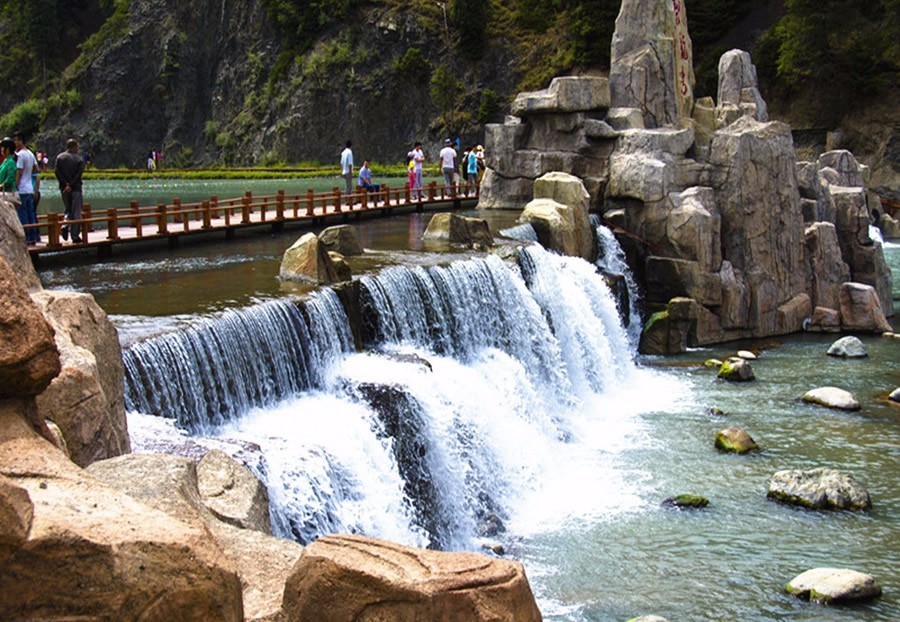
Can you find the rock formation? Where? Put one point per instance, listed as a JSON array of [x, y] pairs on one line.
[[559, 215], [833, 586], [456, 229], [308, 260], [712, 208], [819, 489]]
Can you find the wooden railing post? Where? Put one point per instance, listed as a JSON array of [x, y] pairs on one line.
[[214, 206], [279, 205], [432, 190], [296, 206], [53, 230], [385, 194], [337, 200], [138, 224], [162, 219], [245, 209], [365, 199], [86, 215], [176, 209], [310, 202], [112, 224], [135, 215], [408, 193], [207, 216]]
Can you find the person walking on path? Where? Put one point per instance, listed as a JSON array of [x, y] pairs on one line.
[[472, 169], [448, 165], [418, 157], [25, 165], [347, 167], [69, 167]]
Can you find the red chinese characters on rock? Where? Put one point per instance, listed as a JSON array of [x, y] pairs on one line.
[[682, 46], [677, 6], [683, 80]]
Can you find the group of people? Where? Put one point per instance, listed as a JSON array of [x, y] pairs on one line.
[[154, 160], [20, 182], [462, 173]]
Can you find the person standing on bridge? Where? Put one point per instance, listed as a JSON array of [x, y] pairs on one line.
[[25, 166], [418, 157], [69, 167], [347, 166], [448, 165]]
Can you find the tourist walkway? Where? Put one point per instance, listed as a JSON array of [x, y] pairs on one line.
[[176, 221]]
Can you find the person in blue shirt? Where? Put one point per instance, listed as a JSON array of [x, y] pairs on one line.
[[365, 179]]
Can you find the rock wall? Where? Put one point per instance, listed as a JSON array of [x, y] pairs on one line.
[[726, 221]]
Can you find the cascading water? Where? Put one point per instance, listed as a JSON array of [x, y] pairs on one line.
[[488, 395], [612, 260]]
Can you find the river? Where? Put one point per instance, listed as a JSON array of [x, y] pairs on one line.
[[565, 434]]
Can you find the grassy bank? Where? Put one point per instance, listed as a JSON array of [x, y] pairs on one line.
[[286, 172]]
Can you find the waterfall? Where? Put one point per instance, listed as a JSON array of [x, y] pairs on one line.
[[487, 393], [222, 366], [524, 232], [611, 259]]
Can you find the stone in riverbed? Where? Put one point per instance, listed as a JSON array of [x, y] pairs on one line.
[[308, 260], [650, 618], [736, 369], [735, 440], [849, 347], [833, 586], [832, 397], [341, 239], [686, 501], [819, 489], [895, 395]]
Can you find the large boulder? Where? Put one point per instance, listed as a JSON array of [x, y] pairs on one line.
[[86, 400], [861, 309], [170, 484], [651, 65], [457, 229], [738, 93], [832, 397], [848, 347], [554, 224], [736, 369], [96, 553], [826, 267], [232, 493], [13, 248], [341, 239], [308, 260], [348, 577], [819, 489], [570, 191], [735, 440], [833, 586], [693, 226], [565, 94], [16, 514], [29, 359]]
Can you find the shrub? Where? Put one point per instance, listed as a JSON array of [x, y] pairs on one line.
[[26, 118]]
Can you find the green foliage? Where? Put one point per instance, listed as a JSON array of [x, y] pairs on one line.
[[470, 20], [446, 92], [25, 118], [300, 22], [66, 101], [412, 65], [180, 157], [488, 107]]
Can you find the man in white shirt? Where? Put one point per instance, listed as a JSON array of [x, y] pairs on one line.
[[25, 165], [347, 166], [418, 157], [448, 164]]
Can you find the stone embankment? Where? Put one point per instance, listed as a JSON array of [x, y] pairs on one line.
[[707, 196]]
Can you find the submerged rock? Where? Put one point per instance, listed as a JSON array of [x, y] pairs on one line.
[[833, 586], [686, 501], [832, 397], [848, 347], [895, 395], [735, 440], [819, 489], [736, 369]]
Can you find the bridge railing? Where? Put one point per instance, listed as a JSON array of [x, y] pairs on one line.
[[214, 213]]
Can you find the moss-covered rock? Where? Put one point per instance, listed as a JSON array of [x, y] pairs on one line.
[[686, 501], [712, 363], [735, 440], [833, 586], [819, 489], [736, 369]]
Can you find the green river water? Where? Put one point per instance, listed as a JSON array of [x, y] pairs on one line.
[[729, 561]]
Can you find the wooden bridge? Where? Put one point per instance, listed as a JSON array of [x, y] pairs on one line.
[[172, 222]]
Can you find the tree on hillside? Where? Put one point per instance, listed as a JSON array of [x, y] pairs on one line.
[[470, 20]]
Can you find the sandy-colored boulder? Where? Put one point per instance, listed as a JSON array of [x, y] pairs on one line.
[[457, 229], [14, 250], [861, 310], [342, 239], [735, 440], [347, 577], [738, 93], [824, 320], [848, 347], [86, 400], [95, 553], [832, 586], [570, 191], [16, 514], [565, 94], [832, 397], [554, 224], [890, 226], [308, 260], [819, 489], [29, 359], [232, 492]]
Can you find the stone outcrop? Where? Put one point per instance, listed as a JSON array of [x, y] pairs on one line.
[[232, 493], [347, 577], [833, 586], [819, 489], [861, 310], [456, 229], [652, 62], [341, 239], [559, 215], [308, 260], [738, 93], [16, 515]]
